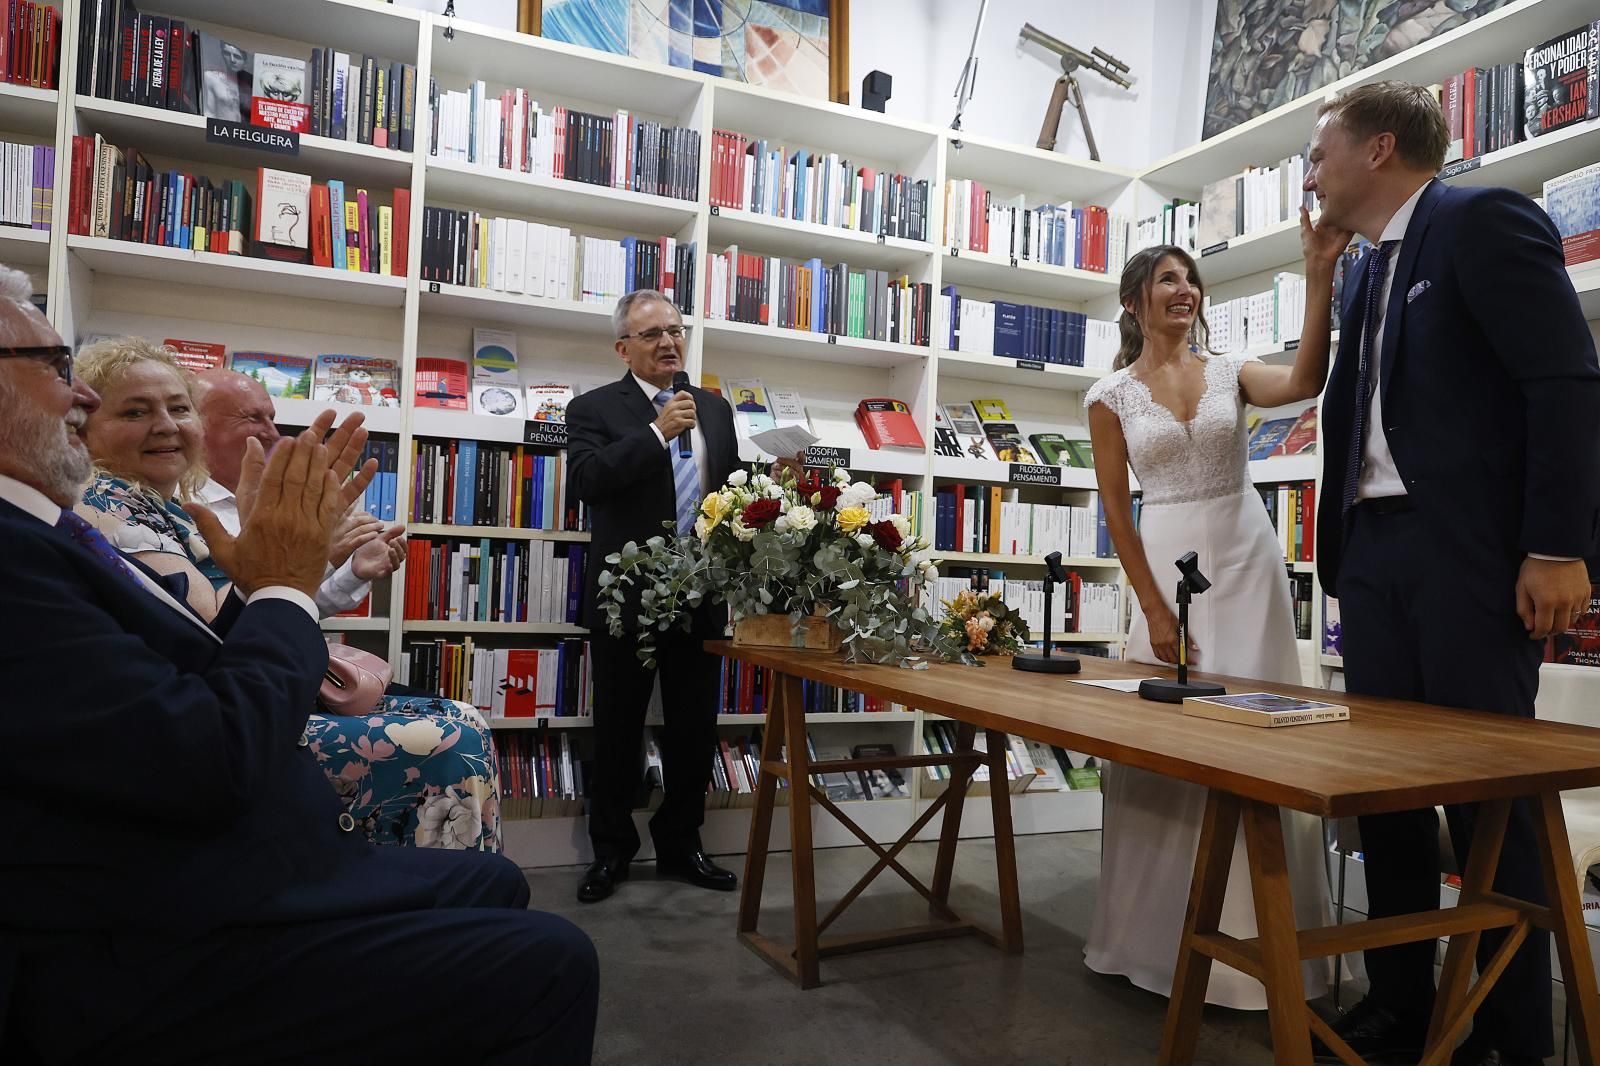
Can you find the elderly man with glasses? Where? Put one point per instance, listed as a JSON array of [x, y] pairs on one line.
[[644, 452]]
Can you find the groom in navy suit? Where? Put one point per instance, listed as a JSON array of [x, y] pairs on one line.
[[181, 882], [1460, 491]]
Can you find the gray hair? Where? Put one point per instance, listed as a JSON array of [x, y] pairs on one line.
[[16, 289], [619, 316]]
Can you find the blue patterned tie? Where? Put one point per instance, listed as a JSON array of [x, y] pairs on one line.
[[685, 476], [1377, 263], [89, 537]]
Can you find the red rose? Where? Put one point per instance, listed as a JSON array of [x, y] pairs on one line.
[[830, 497], [760, 513], [887, 536], [808, 485]]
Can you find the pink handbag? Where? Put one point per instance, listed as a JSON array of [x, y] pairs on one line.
[[355, 680]]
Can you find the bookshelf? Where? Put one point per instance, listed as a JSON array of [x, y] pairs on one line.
[[102, 286]]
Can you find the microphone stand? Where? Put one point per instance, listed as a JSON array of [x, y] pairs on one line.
[[1164, 690], [1044, 662]]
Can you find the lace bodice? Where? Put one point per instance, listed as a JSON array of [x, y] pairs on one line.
[[1178, 462]]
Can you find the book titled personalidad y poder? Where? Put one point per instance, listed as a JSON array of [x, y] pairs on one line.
[[1264, 709]]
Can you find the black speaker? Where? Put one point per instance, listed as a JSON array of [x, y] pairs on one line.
[[875, 89]]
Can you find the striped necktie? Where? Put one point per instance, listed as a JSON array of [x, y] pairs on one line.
[[685, 476], [1377, 263]]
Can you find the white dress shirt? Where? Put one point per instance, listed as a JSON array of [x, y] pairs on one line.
[[30, 500], [341, 589], [697, 440], [1379, 475]]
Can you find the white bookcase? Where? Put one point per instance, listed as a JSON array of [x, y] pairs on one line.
[[101, 286]]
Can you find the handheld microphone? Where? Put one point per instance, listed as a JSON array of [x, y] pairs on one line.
[[680, 383]]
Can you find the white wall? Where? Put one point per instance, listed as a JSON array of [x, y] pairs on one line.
[[502, 13]]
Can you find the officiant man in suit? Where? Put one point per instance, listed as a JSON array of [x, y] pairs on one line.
[[1460, 491], [180, 878], [626, 461]]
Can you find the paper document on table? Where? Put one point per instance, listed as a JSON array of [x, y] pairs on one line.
[[1116, 686], [784, 442]]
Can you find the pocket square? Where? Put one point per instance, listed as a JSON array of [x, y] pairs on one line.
[[1417, 290]]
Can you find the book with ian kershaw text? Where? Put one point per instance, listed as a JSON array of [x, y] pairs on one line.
[[1264, 709]]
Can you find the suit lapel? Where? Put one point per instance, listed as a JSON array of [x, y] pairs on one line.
[[633, 398], [1410, 249]]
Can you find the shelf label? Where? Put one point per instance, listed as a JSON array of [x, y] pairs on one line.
[[824, 455], [244, 135], [1460, 166], [433, 287], [1214, 249], [1013, 260], [1034, 474], [1290, 346], [833, 338], [1029, 364], [548, 434], [716, 209], [955, 253], [881, 239]]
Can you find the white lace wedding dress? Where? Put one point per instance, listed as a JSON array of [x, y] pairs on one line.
[[1197, 497]]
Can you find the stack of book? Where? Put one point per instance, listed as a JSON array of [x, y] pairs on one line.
[[1085, 238], [473, 483], [27, 184], [494, 581], [30, 43], [772, 291]]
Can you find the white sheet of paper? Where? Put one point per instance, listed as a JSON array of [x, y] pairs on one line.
[[784, 441], [1116, 686]]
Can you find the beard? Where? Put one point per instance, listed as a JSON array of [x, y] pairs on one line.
[[59, 468]]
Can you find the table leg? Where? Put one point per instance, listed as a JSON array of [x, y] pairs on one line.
[[950, 831], [1566, 920], [1477, 881], [1280, 944], [805, 883], [755, 858], [1005, 850], [1212, 858]]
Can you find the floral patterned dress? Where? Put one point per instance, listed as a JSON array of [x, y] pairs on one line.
[[135, 519]]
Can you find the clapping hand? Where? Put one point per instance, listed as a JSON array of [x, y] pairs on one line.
[[356, 531], [381, 555], [290, 505]]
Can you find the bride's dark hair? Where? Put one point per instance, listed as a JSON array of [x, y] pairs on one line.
[[1135, 289]]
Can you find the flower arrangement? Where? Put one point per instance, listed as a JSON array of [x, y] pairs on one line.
[[795, 546], [982, 624]]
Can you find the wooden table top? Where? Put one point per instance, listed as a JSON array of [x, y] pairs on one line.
[[1390, 755]]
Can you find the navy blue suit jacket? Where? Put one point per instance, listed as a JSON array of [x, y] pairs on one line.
[[158, 789], [619, 468], [1490, 388]]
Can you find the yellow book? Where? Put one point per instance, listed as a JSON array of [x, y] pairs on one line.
[[352, 224], [481, 260], [992, 410], [385, 240]]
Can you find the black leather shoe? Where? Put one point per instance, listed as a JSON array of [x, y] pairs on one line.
[[1375, 1033], [601, 879], [698, 870], [1470, 1055]]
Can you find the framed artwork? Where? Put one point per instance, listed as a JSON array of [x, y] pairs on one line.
[[1268, 52], [799, 46]]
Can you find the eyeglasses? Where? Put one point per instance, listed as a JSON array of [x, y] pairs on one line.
[[59, 356], [651, 336]]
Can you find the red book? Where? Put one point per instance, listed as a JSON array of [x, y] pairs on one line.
[[1302, 435], [321, 226], [521, 682], [889, 423], [401, 233], [197, 356]]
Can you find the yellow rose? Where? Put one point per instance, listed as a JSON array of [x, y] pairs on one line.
[[852, 519], [715, 508]]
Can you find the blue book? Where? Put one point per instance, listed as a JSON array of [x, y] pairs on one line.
[[336, 215], [466, 482], [630, 260], [550, 492], [536, 511], [1007, 330]]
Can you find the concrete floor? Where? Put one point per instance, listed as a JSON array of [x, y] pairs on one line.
[[678, 989]]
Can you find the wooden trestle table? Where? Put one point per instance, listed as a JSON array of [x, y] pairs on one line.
[[1391, 755]]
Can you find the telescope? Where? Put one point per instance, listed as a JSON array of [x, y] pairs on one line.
[[1067, 90]]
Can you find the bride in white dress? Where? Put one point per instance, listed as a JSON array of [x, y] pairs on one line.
[[1177, 414]]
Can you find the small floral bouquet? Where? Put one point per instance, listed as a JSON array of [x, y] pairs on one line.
[[982, 624], [795, 546]]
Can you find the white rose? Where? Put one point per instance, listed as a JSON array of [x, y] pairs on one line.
[[801, 518], [738, 477], [760, 482], [452, 821], [902, 525], [781, 524], [864, 539], [774, 492], [742, 531], [929, 570], [702, 528], [841, 476]]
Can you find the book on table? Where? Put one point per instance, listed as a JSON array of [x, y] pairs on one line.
[[1265, 709]]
